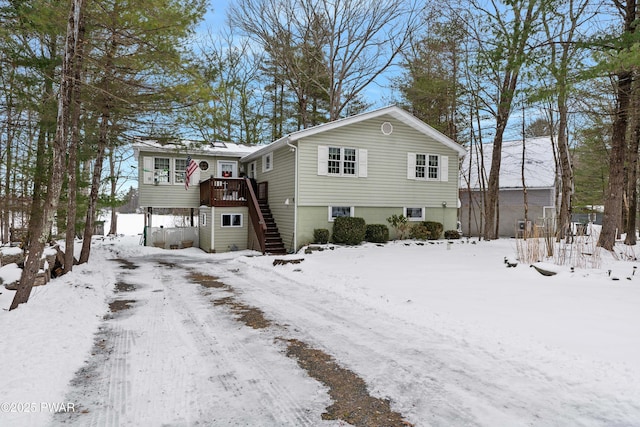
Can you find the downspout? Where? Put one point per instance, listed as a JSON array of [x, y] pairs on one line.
[[295, 195]]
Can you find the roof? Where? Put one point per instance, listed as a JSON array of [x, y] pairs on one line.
[[539, 164], [194, 147], [393, 111]]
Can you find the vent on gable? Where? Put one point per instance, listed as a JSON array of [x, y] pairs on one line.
[[386, 128]]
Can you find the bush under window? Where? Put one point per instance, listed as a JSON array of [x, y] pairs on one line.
[[349, 230], [377, 233], [321, 236]]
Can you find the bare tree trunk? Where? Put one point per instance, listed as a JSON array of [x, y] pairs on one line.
[[41, 228], [95, 186], [491, 206], [634, 145], [613, 199], [566, 170], [525, 199], [72, 166], [113, 228]]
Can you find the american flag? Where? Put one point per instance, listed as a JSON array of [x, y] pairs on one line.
[[191, 168]]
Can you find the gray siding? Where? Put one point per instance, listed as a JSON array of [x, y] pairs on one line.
[[314, 217], [205, 230], [386, 184], [224, 238], [281, 181], [173, 195], [511, 210]]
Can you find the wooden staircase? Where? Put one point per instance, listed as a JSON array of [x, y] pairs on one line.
[[273, 241]]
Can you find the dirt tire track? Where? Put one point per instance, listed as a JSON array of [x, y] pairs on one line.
[[442, 372], [215, 372]]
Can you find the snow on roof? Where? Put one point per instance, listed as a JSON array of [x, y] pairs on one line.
[[216, 148], [539, 164]]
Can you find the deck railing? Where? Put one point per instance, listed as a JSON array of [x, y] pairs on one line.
[[220, 192], [224, 192], [257, 220]]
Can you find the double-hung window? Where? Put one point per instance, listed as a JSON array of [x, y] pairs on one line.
[[433, 167], [161, 168], [342, 161], [421, 165], [427, 167], [179, 171]]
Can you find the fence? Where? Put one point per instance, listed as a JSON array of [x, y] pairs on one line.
[[172, 237]]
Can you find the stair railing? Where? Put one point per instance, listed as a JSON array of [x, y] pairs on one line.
[[257, 219]]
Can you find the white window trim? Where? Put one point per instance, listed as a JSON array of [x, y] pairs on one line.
[[331, 218], [232, 215], [404, 212], [267, 162], [443, 167], [229, 162], [203, 219], [361, 162], [175, 171], [149, 171], [169, 172], [253, 170]]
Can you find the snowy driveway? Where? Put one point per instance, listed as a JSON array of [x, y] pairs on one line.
[[177, 356]]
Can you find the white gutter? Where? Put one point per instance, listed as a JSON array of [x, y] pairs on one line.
[[295, 195]]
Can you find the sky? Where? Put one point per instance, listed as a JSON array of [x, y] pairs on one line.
[[444, 331]]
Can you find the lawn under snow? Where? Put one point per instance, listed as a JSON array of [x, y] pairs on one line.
[[445, 331]]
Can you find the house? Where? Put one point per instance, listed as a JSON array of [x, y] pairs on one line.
[[371, 165], [540, 180], [161, 184]]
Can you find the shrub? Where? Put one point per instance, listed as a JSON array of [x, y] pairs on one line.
[[377, 233], [452, 234], [435, 229], [349, 230], [321, 236], [419, 231], [400, 223]]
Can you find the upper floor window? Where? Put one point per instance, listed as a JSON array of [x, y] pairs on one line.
[[342, 161], [179, 171], [161, 168], [227, 169], [166, 170], [428, 167], [267, 162], [433, 167]]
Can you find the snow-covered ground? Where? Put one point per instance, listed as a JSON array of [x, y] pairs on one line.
[[444, 331]]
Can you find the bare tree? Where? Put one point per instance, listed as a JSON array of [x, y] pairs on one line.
[[503, 52], [562, 25], [624, 76], [39, 229], [353, 42]]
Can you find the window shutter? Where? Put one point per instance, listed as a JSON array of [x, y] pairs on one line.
[[362, 163], [444, 168], [147, 170], [323, 160], [411, 165], [264, 163]]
